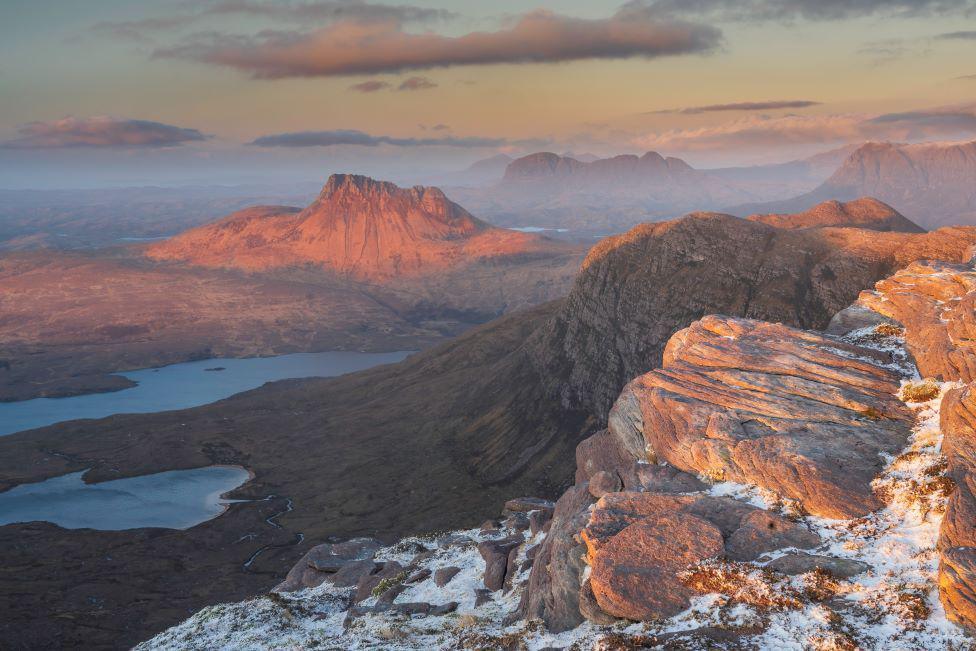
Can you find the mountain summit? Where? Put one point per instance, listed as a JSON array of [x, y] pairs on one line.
[[358, 227]]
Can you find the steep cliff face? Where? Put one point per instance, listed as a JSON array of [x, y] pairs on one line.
[[357, 227]]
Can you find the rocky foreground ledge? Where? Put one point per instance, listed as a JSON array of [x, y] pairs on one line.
[[765, 488]]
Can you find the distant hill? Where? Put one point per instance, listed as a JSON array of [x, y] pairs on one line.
[[933, 184], [866, 213], [608, 195]]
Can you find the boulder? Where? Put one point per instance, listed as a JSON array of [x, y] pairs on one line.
[[800, 563], [332, 557], [635, 574], [666, 479], [326, 562], [801, 414], [444, 575], [351, 573], [444, 609], [762, 531], [604, 482], [390, 571], [747, 531], [552, 593], [496, 555]]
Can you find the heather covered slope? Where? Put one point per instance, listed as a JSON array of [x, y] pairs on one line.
[[357, 227]]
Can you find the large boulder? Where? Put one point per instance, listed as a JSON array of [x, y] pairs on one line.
[[636, 573], [638, 543], [796, 412], [343, 563], [747, 531], [552, 593]]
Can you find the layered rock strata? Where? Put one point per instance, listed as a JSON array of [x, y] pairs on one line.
[[935, 303]]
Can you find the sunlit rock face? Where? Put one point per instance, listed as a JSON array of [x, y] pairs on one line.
[[357, 227]]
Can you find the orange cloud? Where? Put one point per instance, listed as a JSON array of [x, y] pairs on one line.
[[370, 47]]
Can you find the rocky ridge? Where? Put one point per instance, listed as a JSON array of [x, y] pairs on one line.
[[767, 486], [866, 212]]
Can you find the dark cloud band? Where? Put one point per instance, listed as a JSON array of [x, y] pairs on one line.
[[744, 106], [363, 139], [100, 132]]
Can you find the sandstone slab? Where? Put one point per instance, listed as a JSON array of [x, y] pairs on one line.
[[796, 412]]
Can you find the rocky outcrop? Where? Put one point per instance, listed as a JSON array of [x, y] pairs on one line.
[[342, 564], [803, 415], [866, 213], [932, 305], [936, 303], [638, 543], [795, 412], [356, 227], [553, 590], [957, 541]]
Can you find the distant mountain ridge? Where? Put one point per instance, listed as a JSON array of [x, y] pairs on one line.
[[867, 213], [933, 184], [358, 227], [610, 195]]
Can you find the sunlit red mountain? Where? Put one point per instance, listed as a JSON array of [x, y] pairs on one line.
[[357, 227]]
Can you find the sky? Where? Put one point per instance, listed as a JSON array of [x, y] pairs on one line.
[[110, 92]]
